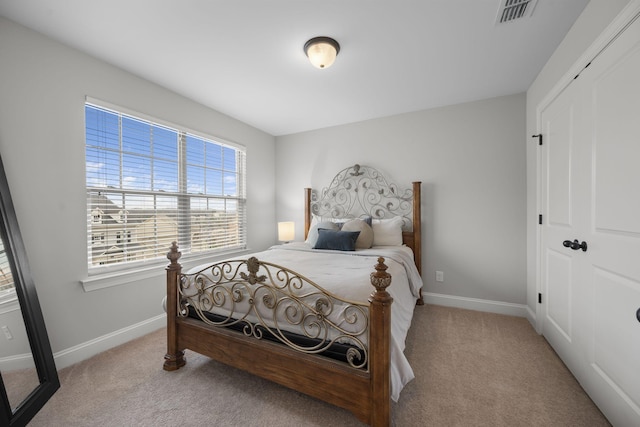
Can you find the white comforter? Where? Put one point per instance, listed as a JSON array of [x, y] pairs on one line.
[[347, 274]]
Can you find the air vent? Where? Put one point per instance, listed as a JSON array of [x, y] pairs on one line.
[[510, 10]]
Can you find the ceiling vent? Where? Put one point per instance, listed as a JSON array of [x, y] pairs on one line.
[[510, 10]]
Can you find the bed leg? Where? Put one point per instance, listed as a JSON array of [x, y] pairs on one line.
[[174, 361], [174, 358]]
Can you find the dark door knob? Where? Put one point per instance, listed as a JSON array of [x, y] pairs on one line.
[[575, 245]]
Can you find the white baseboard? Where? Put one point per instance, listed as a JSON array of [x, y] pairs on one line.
[[90, 348], [511, 309], [17, 362]]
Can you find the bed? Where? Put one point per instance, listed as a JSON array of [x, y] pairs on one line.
[[314, 316]]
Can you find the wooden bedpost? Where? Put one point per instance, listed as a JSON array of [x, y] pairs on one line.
[[307, 211], [417, 232], [380, 347], [174, 358]]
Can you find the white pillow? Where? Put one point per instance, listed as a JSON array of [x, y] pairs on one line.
[[365, 238], [387, 232]]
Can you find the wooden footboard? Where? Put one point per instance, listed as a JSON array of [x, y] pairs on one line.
[[363, 389]]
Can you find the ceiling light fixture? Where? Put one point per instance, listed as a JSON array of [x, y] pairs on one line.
[[321, 51]]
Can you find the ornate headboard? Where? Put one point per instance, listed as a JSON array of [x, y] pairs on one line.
[[361, 191]]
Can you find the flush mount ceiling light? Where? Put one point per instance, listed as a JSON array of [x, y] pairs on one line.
[[321, 51]]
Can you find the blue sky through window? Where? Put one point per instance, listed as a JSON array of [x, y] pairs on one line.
[[148, 159]]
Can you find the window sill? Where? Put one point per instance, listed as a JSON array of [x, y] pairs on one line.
[[155, 270]]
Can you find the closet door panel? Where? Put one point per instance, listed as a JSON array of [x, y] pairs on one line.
[[559, 294], [615, 299], [616, 97], [559, 125]]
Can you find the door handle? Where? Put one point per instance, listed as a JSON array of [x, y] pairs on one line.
[[575, 245]]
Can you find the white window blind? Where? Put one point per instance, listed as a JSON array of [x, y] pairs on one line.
[[6, 278], [149, 184]]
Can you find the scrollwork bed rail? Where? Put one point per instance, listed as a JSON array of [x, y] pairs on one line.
[[362, 191], [269, 301], [362, 385]]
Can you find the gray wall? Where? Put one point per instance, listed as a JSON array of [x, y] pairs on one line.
[[43, 85], [471, 161], [594, 19]]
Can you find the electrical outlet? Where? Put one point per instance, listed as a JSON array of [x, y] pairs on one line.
[[7, 332], [439, 276]]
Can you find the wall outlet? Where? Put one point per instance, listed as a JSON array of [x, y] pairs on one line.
[[439, 276], [7, 332]]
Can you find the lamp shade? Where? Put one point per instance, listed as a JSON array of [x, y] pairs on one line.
[[286, 231], [321, 51]]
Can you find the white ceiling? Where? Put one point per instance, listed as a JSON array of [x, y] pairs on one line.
[[244, 58]]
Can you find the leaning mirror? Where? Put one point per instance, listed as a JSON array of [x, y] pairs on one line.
[[28, 376]]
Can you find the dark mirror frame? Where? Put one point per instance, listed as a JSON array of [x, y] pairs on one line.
[[32, 316]]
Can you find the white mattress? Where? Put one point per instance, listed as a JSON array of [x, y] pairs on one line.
[[346, 274]]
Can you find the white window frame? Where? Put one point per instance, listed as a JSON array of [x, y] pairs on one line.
[[100, 276]]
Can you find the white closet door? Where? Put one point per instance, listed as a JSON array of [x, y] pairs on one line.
[[563, 220], [591, 194], [612, 320]]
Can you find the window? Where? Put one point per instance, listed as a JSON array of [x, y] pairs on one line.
[[149, 184], [6, 278]]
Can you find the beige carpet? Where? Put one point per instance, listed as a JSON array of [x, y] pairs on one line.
[[472, 369]]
